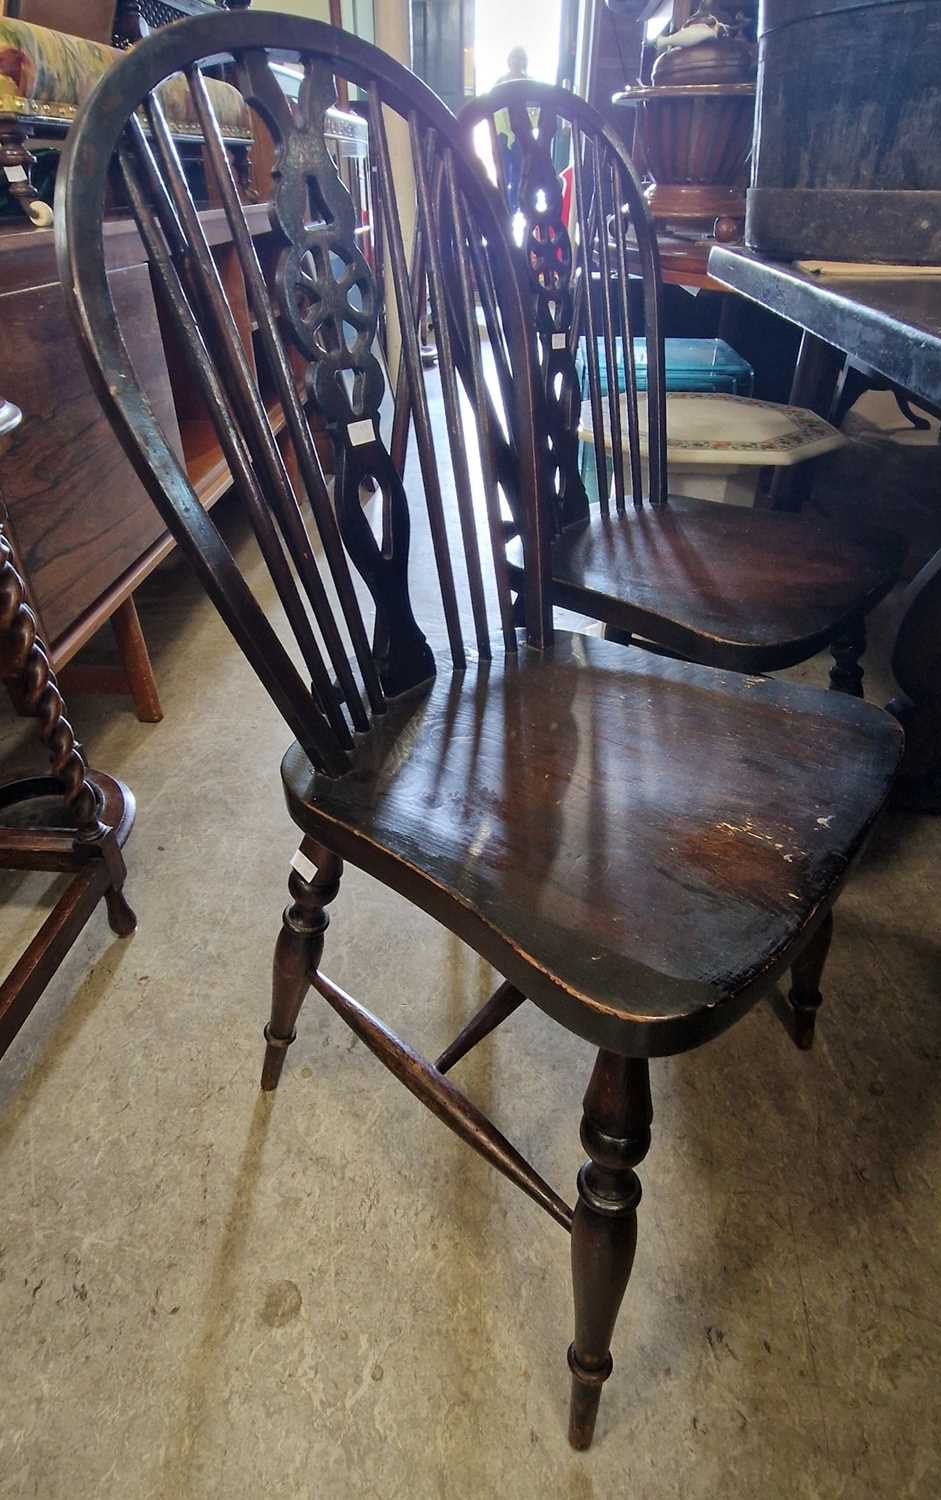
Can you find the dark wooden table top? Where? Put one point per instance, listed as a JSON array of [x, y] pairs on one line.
[[892, 324]]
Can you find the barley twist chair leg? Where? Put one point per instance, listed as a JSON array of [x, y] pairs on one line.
[[616, 1134], [297, 954]]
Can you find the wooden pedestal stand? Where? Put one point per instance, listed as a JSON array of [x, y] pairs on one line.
[[98, 812], [695, 139]]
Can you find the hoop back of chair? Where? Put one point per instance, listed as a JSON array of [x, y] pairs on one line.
[[605, 238], [315, 337]]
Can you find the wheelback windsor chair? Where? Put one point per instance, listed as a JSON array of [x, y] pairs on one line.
[[752, 590], [640, 846]]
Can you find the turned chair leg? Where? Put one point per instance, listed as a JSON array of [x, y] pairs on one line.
[[298, 950], [805, 997], [16, 162], [122, 918], [616, 1134], [846, 673]]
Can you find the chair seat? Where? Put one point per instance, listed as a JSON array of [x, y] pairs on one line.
[[749, 590], [638, 844]]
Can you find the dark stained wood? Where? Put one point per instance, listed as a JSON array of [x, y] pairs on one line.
[[817, 367], [297, 953], [720, 584], [689, 576], [694, 139], [502, 1003], [410, 362], [300, 454], [247, 440], [894, 325], [639, 846], [71, 545], [450, 1106], [449, 380], [28, 256], [682, 262], [626, 325], [917, 705], [26, 981], [616, 1134], [805, 998], [490, 432], [24, 660], [847, 647], [80, 476], [588, 209], [97, 812], [647, 911]]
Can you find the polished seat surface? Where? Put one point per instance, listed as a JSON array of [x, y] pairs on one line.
[[742, 589], [637, 842]]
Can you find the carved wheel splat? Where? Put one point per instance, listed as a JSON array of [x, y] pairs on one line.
[[547, 247], [330, 303], [314, 212]]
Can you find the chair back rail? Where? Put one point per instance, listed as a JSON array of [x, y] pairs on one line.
[[607, 234], [342, 658]]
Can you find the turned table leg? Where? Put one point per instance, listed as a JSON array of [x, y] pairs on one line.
[[814, 386], [16, 162], [135, 658], [916, 666]]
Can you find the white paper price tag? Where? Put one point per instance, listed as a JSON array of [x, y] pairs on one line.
[[305, 867]]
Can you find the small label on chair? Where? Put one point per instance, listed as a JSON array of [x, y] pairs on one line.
[[305, 867], [362, 432], [15, 174], [559, 340]]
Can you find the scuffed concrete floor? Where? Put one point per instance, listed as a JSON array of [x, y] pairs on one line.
[[322, 1293]]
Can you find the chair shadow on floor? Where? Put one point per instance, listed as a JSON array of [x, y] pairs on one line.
[[38, 1053], [197, 1379]]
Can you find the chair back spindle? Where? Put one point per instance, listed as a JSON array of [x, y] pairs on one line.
[[333, 652], [577, 268]]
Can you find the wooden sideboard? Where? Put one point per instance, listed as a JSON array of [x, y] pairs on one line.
[[84, 531], [83, 528]]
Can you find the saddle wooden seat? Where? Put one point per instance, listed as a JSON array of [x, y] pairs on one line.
[[639, 844], [692, 577]]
